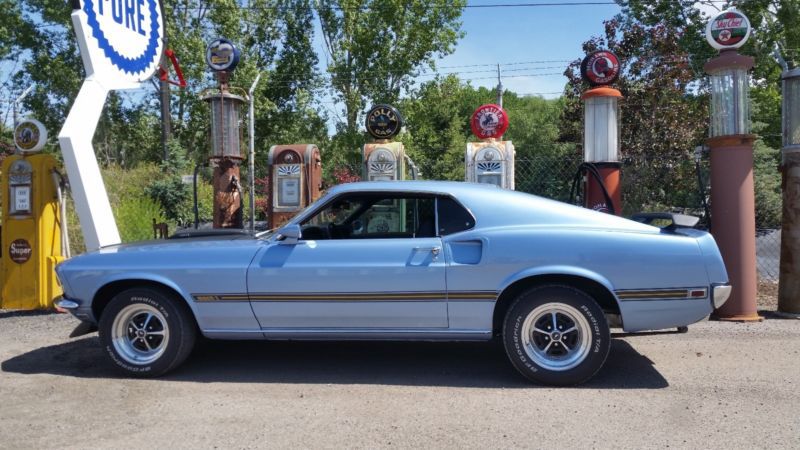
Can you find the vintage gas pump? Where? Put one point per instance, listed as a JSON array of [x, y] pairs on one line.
[[31, 242], [731, 149], [601, 167], [789, 284], [385, 160], [490, 161], [295, 173], [226, 136]]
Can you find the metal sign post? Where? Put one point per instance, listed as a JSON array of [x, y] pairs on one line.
[[121, 45]]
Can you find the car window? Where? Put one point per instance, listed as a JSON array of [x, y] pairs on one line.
[[453, 217], [373, 216]]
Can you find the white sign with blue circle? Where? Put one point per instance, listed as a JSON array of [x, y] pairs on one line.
[[121, 40]]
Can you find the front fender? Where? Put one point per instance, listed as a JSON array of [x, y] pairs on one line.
[[145, 276]]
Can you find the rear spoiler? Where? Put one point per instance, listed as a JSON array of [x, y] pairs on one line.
[[674, 220]]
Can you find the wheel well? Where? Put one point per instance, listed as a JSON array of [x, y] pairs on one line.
[[107, 292], [597, 291]]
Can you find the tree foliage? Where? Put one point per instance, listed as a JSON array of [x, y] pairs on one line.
[[376, 47]]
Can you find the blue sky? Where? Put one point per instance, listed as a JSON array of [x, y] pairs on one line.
[[514, 37]]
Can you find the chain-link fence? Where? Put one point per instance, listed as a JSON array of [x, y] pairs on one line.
[[647, 186]]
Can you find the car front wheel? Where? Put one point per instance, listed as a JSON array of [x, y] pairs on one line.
[[556, 334], [146, 332]]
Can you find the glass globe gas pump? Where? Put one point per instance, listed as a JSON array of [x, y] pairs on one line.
[[225, 136], [731, 149], [601, 167], [491, 160]]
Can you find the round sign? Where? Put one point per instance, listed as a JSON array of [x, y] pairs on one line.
[[384, 121], [20, 251], [222, 56], [729, 29], [489, 121], [600, 68], [30, 136], [124, 39]]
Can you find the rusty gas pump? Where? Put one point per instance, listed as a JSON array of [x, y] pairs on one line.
[[225, 136], [295, 173]]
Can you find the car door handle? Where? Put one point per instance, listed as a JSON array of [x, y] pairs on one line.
[[434, 250]]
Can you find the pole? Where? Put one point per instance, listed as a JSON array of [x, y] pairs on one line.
[[499, 88], [166, 117], [252, 156], [789, 280], [17, 102]]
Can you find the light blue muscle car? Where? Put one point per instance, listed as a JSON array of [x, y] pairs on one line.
[[411, 260]]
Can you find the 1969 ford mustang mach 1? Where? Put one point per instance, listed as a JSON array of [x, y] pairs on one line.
[[411, 260]]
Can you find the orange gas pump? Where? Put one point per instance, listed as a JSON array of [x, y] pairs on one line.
[[600, 171], [295, 173]]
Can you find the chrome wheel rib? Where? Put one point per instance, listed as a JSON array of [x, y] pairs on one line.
[[556, 336], [140, 334]]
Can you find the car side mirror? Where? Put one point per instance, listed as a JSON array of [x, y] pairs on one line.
[[290, 234]]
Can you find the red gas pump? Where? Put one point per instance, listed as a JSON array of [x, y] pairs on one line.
[[600, 171]]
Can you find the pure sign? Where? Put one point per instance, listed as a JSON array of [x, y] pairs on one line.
[[729, 29], [123, 40]]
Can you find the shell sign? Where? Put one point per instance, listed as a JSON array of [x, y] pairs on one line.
[[121, 40]]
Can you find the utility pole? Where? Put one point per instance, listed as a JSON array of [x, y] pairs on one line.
[[166, 117], [499, 88]]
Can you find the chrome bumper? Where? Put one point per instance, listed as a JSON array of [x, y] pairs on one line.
[[67, 304], [720, 294]]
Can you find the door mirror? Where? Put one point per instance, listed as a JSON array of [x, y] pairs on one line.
[[289, 234]]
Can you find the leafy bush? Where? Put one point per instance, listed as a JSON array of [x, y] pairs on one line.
[[135, 215]]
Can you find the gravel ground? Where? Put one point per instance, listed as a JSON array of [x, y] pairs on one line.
[[721, 385]]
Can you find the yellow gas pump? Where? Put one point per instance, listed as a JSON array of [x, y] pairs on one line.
[[30, 238]]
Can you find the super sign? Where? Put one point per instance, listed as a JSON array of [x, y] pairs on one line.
[[125, 38]]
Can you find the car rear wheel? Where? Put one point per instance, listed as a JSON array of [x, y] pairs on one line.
[[146, 332], [556, 334]]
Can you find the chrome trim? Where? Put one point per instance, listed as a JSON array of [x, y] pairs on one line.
[[661, 294], [721, 294], [64, 303]]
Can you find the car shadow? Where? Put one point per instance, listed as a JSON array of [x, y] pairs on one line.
[[462, 364]]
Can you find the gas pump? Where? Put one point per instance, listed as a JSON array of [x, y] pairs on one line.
[[30, 240], [490, 161], [385, 160], [225, 135], [601, 168], [295, 173]]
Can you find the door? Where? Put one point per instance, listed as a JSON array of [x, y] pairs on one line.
[[365, 261]]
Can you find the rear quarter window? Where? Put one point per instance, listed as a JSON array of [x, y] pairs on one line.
[[452, 217]]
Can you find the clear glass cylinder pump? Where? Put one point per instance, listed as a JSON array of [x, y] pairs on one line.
[[601, 134], [226, 132], [791, 109], [730, 102]]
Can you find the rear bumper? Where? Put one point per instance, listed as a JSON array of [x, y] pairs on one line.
[[720, 294]]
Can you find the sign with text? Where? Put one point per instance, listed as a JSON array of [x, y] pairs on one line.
[[729, 29], [121, 41]]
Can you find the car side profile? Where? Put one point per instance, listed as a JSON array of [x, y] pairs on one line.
[[409, 260]]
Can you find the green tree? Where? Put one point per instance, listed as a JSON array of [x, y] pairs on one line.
[[375, 48]]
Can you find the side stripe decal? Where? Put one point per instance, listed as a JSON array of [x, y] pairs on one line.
[[662, 294], [462, 296]]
